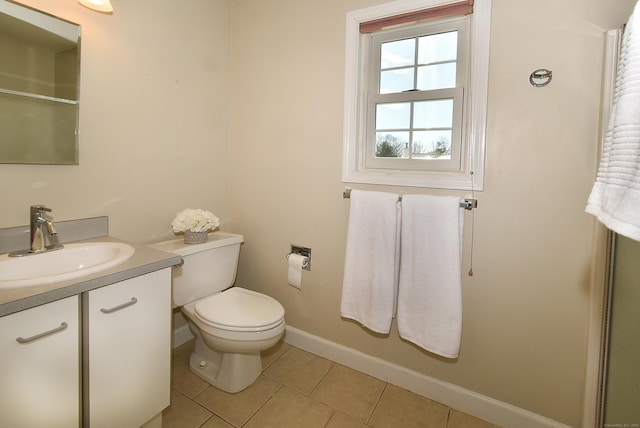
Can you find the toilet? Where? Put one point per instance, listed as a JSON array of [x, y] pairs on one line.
[[231, 324]]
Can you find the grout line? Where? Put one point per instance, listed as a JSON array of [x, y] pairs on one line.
[[205, 421], [375, 406], [262, 405], [211, 413], [321, 380]]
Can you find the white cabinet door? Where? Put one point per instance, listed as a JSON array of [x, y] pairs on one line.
[[127, 351], [40, 366]]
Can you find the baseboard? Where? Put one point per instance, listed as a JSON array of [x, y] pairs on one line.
[[180, 335], [483, 407]]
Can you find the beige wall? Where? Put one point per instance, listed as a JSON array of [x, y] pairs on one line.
[[153, 120], [526, 308], [161, 130]]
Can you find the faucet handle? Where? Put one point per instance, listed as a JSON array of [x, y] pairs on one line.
[[39, 208]]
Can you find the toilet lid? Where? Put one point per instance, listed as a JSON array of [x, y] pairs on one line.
[[258, 311]]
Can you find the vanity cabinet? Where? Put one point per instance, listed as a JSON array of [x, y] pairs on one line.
[[127, 351], [40, 366], [98, 359]]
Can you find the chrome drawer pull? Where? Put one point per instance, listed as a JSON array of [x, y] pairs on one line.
[[133, 301], [23, 341]]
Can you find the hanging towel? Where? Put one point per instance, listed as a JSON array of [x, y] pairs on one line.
[[615, 197], [430, 283], [369, 287]]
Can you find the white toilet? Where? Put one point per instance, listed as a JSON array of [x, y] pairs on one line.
[[231, 325]]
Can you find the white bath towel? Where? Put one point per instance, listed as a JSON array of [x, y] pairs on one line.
[[430, 284], [615, 197], [369, 287]]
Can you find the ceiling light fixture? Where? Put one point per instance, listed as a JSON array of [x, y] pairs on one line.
[[99, 5]]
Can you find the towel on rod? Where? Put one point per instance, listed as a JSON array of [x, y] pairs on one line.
[[370, 281], [430, 283], [615, 196]]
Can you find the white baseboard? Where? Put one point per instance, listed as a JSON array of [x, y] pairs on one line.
[[181, 335], [483, 407]]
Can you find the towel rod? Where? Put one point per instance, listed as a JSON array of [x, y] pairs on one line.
[[467, 204]]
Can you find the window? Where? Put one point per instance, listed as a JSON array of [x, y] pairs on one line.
[[415, 97]]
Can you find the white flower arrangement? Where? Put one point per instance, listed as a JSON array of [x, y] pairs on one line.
[[194, 221]]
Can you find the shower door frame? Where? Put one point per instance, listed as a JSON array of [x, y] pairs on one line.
[[603, 257]]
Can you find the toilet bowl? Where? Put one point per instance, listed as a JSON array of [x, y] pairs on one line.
[[231, 325], [231, 328]]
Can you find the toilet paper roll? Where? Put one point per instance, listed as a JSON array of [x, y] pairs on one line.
[[296, 261]]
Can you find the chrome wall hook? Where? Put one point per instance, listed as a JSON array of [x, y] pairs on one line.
[[541, 77]]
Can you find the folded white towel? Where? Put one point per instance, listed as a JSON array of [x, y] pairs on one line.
[[369, 287], [430, 284], [615, 197]]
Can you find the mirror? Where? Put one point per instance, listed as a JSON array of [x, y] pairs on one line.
[[39, 86]]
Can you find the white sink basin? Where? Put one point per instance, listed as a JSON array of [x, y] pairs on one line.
[[72, 261]]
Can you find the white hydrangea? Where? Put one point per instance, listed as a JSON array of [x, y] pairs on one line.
[[195, 220]]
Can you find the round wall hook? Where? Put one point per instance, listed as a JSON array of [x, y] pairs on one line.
[[541, 77]]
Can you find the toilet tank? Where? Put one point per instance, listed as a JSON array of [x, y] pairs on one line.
[[208, 268]]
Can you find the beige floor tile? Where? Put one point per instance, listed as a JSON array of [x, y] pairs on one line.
[[340, 420], [462, 420], [350, 391], [272, 354], [289, 408], [401, 408], [238, 408], [183, 413], [182, 378], [320, 393], [214, 422], [299, 370]]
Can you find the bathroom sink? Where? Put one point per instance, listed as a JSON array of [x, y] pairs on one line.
[[72, 261]]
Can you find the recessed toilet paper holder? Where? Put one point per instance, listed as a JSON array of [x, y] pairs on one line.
[[303, 251]]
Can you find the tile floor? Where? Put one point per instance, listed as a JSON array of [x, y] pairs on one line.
[[300, 389]]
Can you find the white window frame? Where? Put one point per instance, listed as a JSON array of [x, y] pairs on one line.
[[470, 174]]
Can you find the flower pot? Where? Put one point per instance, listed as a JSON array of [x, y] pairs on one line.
[[195, 237]]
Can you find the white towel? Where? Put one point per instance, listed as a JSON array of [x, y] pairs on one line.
[[369, 287], [430, 284], [615, 197]]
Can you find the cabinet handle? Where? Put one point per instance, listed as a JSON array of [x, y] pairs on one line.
[[23, 341], [133, 301]]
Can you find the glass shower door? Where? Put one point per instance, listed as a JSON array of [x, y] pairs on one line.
[[622, 382]]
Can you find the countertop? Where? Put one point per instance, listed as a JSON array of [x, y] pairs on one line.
[[144, 260]]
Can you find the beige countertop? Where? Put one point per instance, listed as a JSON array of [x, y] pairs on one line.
[[144, 260]]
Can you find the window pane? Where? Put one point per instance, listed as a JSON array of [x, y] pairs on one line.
[[433, 114], [431, 145], [397, 54], [438, 48], [437, 76], [393, 116], [392, 145], [396, 80]]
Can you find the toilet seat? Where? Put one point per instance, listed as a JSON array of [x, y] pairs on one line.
[[258, 312]]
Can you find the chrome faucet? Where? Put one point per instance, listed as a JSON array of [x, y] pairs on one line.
[[37, 220], [37, 237]]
